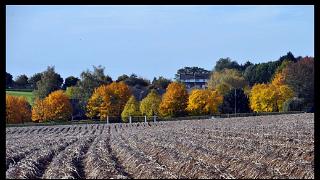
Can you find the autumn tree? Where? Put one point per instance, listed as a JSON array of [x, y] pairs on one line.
[[174, 101], [18, 110], [204, 102], [284, 91], [38, 110], [54, 107], [149, 106], [130, 109], [269, 97], [108, 100], [225, 80], [300, 77], [88, 82]]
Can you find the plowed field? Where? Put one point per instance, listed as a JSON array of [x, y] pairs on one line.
[[277, 146]]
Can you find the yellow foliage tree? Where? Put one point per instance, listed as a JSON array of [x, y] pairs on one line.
[[279, 79], [269, 97], [149, 106], [203, 102], [108, 100], [38, 110], [56, 106], [130, 109], [174, 101], [18, 110]]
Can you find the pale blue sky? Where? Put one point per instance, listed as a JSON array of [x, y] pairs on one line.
[[151, 40]]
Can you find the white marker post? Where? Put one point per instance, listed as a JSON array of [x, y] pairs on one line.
[[145, 119], [107, 119], [130, 119], [154, 118]]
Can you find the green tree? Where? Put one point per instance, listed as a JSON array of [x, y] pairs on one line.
[[226, 63], [21, 81], [261, 73], [225, 80], [70, 81], [9, 81], [122, 78], [160, 83], [72, 92], [149, 106], [50, 81], [34, 79], [89, 81], [134, 80], [241, 102], [190, 70], [289, 57], [130, 109]]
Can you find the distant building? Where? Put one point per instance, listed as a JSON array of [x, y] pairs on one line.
[[193, 81]]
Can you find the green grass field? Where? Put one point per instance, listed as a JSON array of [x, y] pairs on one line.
[[28, 95]]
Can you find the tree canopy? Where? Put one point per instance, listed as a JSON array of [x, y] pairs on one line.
[[174, 101], [235, 98], [50, 81], [9, 81], [21, 81], [226, 79], [149, 106], [108, 100], [300, 77], [33, 80], [130, 109], [70, 81]]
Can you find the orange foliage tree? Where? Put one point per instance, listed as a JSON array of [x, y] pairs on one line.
[[204, 101], [18, 110], [38, 110], [54, 107], [174, 101], [108, 100]]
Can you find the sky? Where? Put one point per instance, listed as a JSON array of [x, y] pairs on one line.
[[151, 41]]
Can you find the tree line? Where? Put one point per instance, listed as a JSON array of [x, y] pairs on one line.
[[283, 85]]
